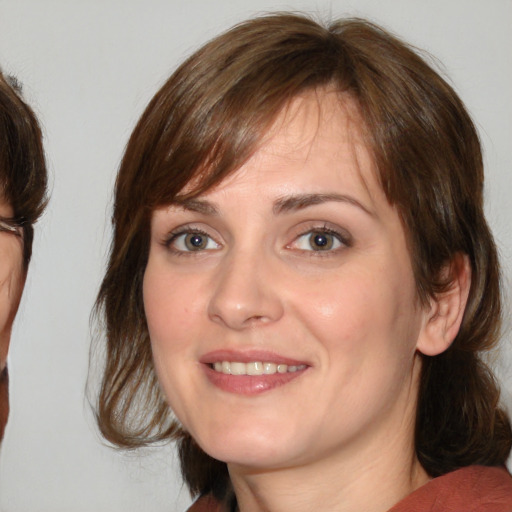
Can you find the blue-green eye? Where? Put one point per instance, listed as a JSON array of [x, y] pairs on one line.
[[192, 241], [318, 241]]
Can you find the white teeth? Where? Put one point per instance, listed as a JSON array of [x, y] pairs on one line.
[[238, 368], [269, 368], [254, 368]]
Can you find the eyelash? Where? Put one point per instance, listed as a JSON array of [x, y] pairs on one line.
[[343, 238], [184, 231]]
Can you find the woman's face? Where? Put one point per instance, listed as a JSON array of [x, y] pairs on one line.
[[11, 284], [281, 305]]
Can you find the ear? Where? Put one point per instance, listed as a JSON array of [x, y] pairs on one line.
[[443, 317]]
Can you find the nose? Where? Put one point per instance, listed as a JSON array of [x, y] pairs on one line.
[[245, 293]]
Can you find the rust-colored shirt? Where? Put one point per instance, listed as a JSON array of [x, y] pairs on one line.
[[470, 489]]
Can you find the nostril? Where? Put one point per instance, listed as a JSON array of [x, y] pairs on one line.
[[244, 297]]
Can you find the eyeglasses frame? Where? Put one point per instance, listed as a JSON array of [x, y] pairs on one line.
[[14, 226]]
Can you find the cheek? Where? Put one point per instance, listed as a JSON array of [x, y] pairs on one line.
[[361, 310], [171, 306], [11, 286], [174, 308]]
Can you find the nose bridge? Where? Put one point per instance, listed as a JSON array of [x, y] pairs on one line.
[[244, 292]]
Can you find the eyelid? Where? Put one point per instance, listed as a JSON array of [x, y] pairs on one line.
[[302, 230], [184, 230], [342, 235]]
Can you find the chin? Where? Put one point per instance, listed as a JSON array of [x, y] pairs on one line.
[[255, 447], [254, 457]]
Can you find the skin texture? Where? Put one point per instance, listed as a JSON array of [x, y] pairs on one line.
[[341, 432], [11, 286]]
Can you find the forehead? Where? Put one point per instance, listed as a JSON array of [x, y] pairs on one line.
[[320, 109], [317, 139], [313, 121]]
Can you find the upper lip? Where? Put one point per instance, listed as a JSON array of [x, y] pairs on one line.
[[248, 356]]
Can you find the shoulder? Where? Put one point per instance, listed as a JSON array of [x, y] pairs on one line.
[[472, 489], [206, 503]]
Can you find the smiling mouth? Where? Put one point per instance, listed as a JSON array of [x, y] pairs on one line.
[[251, 372], [254, 368]]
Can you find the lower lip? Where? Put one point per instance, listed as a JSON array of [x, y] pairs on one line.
[[249, 384]]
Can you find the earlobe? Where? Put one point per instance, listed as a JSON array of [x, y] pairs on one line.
[[443, 317]]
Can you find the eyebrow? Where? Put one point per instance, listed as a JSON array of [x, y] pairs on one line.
[[301, 201], [282, 205], [197, 205]]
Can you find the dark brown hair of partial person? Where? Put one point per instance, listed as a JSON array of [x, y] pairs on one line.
[[4, 400], [23, 176], [209, 118]]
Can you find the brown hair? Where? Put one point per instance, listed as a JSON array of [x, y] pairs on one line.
[[23, 177], [207, 120]]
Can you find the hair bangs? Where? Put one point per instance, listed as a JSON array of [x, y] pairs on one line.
[[213, 112]]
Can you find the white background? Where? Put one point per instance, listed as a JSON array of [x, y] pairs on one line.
[[88, 68]]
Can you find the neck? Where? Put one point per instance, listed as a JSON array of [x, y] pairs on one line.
[[373, 485]]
